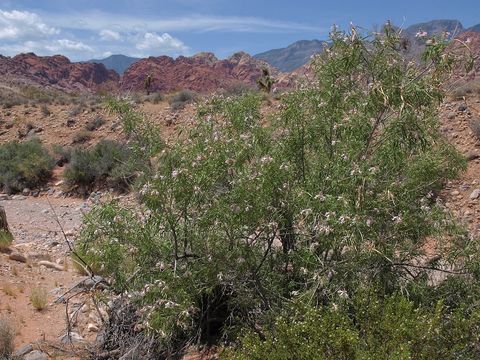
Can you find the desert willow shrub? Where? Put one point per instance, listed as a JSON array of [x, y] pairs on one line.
[[332, 197]]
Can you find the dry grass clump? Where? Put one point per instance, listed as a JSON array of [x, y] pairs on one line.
[[8, 290], [7, 335], [95, 123], [469, 88], [82, 137], [39, 298]]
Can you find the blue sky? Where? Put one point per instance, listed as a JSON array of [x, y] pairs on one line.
[[85, 29]]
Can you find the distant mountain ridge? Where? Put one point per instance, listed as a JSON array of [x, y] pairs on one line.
[[293, 56], [299, 53], [454, 27], [475, 28], [119, 62], [202, 72]]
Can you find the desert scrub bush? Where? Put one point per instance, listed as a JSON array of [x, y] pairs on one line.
[[236, 89], [332, 195], [393, 327], [45, 110], [145, 138], [62, 154], [39, 298], [155, 98], [95, 124], [24, 165], [77, 110], [7, 337], [8, 290], [467, 89], [108, 163], [180, 99], [475, 127], [82, 136]]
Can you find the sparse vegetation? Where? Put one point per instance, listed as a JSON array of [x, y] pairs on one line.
[[76, 110], [237, 89], [62, 154], [468, 89], [8, 290], [82, 137], [6, 236], [475, 127], [7, 337], [108, 163], [39, 298], [6, 239], [33, 95], [180, 99], [24, 165], [45, 110], [95, 123]]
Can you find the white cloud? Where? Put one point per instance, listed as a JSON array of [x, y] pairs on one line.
[[88, 34], [99, 20], [107, 35], [68, 45], [163, 43], [16, 25]]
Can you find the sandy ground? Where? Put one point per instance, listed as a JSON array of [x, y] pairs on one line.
[[38, 237]]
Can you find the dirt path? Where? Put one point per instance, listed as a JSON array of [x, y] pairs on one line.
[[37, 237]]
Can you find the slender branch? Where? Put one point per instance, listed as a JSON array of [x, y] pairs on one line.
[[70, 247]]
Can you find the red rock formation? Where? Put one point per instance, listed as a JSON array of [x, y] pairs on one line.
[[57, 71], [202, 72]]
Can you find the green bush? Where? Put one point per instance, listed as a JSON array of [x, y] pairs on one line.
[[105, 164], [6, 239], [331, 196], [368, 328], [24, 165], [62, 154]]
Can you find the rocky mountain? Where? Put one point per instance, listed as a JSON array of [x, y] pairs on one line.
[[299, 53], [202, 72], [57, 72], [475, 28], [293, 56], [434, 27], [119, 63]]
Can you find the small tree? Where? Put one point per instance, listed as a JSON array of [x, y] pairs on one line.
[[329, 203], [148, 83], [265, 81]]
